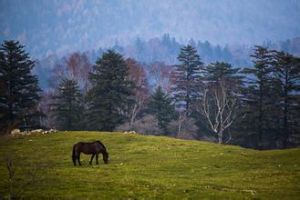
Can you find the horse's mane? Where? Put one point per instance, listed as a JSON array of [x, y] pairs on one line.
[[101, 144]]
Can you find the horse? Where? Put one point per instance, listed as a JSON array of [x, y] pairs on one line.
[[93, 148]]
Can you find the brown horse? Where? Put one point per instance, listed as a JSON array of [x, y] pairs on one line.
[[93, 148]]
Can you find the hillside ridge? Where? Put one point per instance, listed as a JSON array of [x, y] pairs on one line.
[[150, 167]]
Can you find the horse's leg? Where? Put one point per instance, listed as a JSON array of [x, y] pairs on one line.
[[74, 159], [91, 162], [74, 155], [79, 159], [97, 159]]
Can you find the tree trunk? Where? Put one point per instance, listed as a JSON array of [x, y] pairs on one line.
[[220, 136], [261, 118], [285, 114], [181, 119]]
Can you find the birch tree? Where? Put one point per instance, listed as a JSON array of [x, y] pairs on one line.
[[220, 100], [219, 107]]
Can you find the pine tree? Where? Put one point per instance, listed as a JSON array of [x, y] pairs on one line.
[[19, 90], [259, 93], [220, 70], [287, 75], [161, 107], [67, 107], [110, 92], [187, 78]]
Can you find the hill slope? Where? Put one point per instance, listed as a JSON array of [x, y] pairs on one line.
[[146, 167]]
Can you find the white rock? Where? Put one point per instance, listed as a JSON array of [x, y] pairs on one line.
[[52, 131], [129, 132], [37, 131], [23, 133], [15, 132]]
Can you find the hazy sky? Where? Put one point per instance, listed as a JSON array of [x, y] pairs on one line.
[[47, 26]]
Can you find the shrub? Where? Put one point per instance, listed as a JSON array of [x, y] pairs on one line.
[[147, 125]]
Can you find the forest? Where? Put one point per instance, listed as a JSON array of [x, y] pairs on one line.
[[149, 99], [255, 106]]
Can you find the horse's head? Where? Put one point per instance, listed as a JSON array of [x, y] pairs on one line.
[[105, 157]]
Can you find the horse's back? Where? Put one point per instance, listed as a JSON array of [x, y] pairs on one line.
[[89, 147]]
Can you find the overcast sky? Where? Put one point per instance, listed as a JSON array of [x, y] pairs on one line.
[[54, 26]]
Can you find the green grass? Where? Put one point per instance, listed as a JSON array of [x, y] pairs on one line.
[[146, 167]]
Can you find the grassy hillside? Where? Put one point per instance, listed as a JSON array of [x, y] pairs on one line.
[[144, 167]]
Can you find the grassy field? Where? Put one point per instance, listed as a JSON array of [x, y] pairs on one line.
[[146, 167]]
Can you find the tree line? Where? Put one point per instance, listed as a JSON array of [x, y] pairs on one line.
[[255, 107]]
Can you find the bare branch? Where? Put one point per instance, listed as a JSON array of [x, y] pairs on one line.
[[222, 115]]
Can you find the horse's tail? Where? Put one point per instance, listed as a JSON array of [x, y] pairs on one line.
[[74, 155]]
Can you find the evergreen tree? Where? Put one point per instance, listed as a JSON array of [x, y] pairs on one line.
[[187, 78], [19, 91], [67, 107], [223, 71], [161, 107], [287, 75], [259, 94], [110, 92]]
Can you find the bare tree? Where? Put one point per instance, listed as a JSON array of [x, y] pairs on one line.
[[75, 66], [219, 107], [181, 118], [161, 73], [147, 125], [141, 94], [78, 68], [183, 126]]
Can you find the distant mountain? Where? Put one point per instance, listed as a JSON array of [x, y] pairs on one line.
[[58, 26], [166, 49]]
